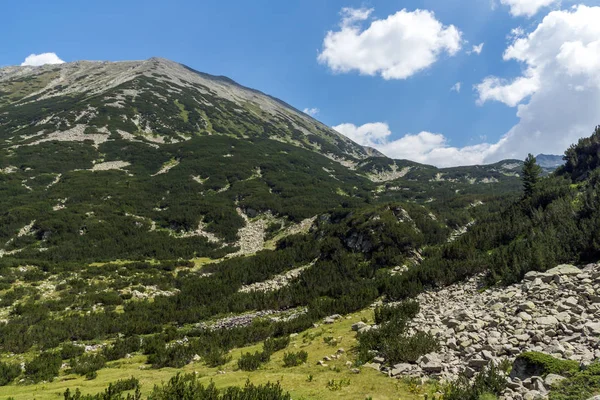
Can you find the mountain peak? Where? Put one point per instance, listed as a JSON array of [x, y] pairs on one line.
[[158, 100]]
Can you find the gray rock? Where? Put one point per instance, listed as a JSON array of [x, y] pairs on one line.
[[553, 379], [547, 320], [564, 269], [357, 326]]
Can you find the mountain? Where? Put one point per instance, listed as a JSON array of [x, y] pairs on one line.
[[154, 101], [156, 220], [151, 159], [549, 161]]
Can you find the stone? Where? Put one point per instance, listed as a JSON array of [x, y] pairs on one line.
[[374, 366], [547, 320], [432, 367], [564, 269], [553, 379], [524, 316], [593, 327], [357, 326]]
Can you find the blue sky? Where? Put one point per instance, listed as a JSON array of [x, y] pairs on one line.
[[500, 111]]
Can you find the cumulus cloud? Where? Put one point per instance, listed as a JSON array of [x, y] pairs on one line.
[[476, 49], [527, 8], [42, 59], [424, 147], [311, 111], [558, 95], [396, 47], [456, 87]]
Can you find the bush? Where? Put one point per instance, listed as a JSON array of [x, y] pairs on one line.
[[69, 351], [539, 364], [121, 347], [292, 359], [8, 373], [216, 357], [87, 365], [582, 385], [175, 356], [188, 387], [405, 310], [272, 345], [251, 362], [113, 392], [44, 367], [489, 382]]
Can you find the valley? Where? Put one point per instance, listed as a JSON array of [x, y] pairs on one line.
[[155, 221]]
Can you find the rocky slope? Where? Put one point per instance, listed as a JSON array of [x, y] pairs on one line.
[[556, 312], [155, 101]]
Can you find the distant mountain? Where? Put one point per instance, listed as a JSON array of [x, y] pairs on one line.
[[550, 161]]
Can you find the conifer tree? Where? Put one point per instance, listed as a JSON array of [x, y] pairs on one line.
[[531, 174]]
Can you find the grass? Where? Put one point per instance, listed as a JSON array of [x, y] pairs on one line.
[[307, 381]]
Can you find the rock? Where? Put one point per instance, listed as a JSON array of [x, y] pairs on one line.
[[379, 360], [374, 366], [593, 327], [524, 316], [547, 320], [400, 369], [432, 367], [357, 326], [564, 269], [553, 379]]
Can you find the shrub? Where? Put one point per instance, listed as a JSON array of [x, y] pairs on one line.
[[87, 364], [251, 362], [292, 359], [272, 345], [216, 357], [69, 351], [44, 367], [175, 356], [8, 373], [405, 310], [540, 364], [121, 347], [188, 387], [489, 382], [581, 385]]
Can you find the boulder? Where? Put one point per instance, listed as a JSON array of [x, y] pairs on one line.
[[547, 320], [553, 379], [564, 269]]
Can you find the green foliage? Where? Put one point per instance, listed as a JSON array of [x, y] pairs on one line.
[[87, 364], [531, 175], [44, 367], [545, 364], [251, 361], [293, 359], [271, 345], [489, 382], [582, 384], [390, 340], [70, 350], [188, 387], [112, 392], [8, 373]]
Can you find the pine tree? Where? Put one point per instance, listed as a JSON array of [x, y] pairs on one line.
[[531, 174]]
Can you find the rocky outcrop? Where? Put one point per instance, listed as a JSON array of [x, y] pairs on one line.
[[556, 312]]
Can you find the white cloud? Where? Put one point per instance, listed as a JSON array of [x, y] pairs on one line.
[[396, 47], [511, 94], [311, 111], [527, 8], [41, 59], [558, 95], [456, 87], [477, 49], [424, 147]]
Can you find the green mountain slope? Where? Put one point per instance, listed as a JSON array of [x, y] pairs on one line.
[[150, 159]]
